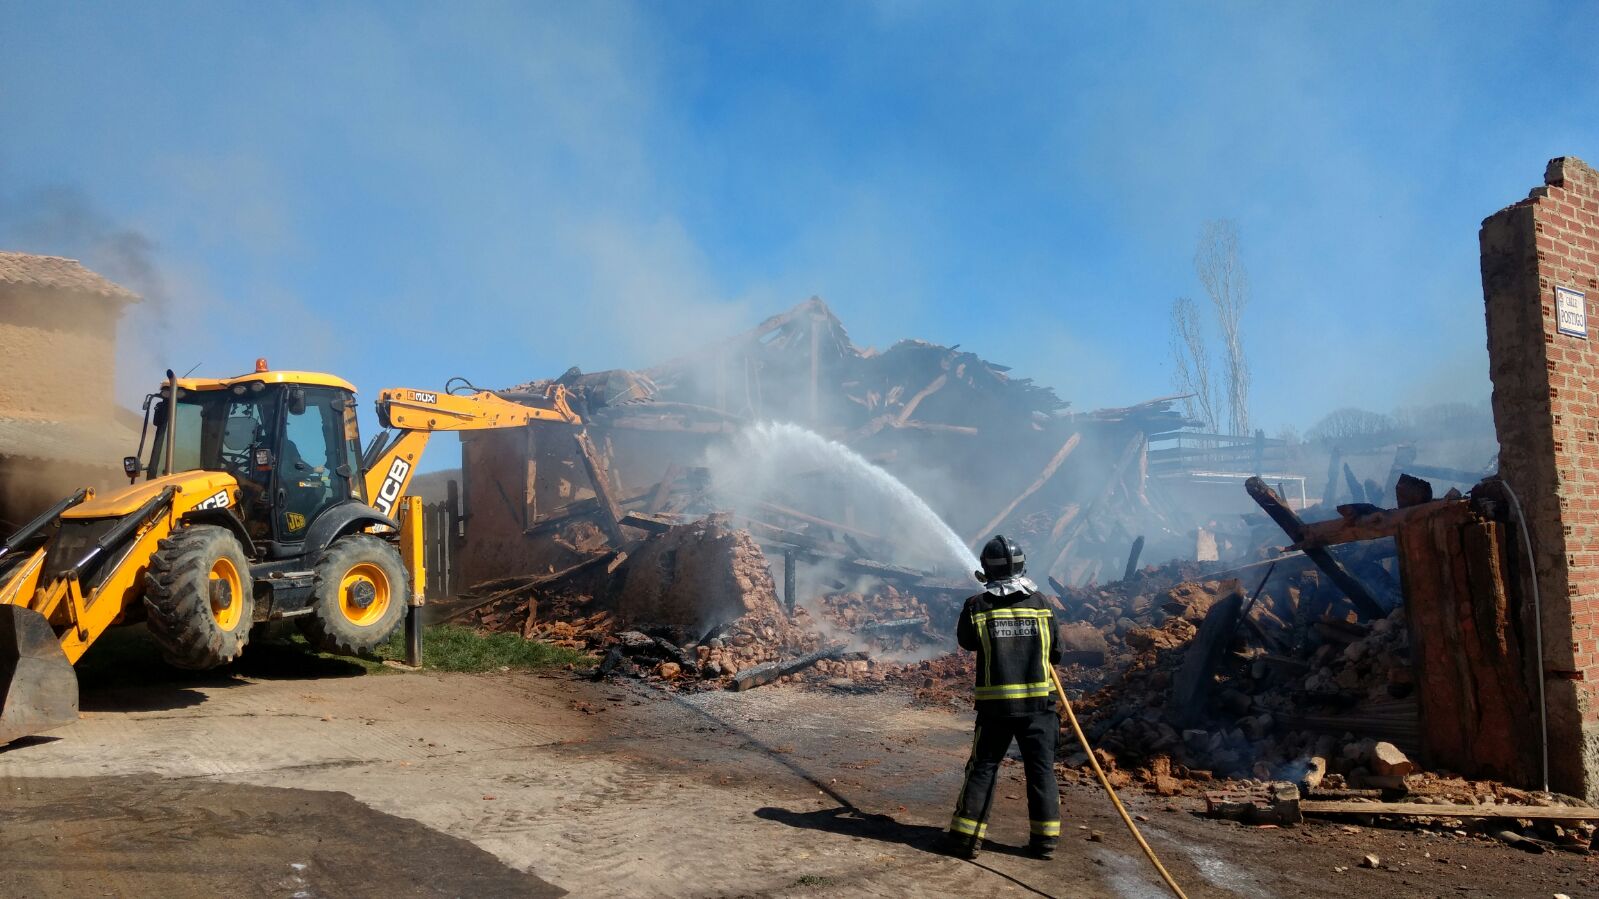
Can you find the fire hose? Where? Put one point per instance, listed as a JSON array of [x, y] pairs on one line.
[[1110, 791]]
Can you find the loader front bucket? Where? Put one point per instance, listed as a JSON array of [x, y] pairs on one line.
[[38, 688]]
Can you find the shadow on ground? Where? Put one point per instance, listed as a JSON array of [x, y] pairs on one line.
[[848, 821], [124, 672], [187, 839]]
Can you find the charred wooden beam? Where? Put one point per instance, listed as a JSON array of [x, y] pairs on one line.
[[885, 570], [608, 664], [1357, 493], [1132, 558], [790, 572], [760, 675], [655, 524], [1194, 680], [1291, 524], [1423, 810], [1411, 491], [899, 624], [610, 511], [1329, 494]]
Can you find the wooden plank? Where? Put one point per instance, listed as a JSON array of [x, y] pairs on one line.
[[1470, 670], [1420, 809], [934, 427], [530, 499], [1068, 514], [506, 587], [1054, 464], [1352, 528], [932, 388], [1072, 524]]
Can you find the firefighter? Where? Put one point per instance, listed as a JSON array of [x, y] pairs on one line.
[[1012, 630]]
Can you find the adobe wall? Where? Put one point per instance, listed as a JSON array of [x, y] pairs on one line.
[[1546, 411], [59, 355]]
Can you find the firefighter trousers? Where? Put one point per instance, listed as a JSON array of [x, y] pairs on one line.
[[1037, 735]]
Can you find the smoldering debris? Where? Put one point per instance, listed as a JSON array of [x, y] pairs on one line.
[[693, 607], [1287, 645], [832, 450]]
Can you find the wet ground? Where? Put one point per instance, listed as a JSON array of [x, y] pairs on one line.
[[149, 836], [514, 784]]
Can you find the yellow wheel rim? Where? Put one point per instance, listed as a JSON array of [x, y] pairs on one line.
[[365, 583], [224, 577]]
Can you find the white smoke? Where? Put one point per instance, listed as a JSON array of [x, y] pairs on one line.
[[782, 463]]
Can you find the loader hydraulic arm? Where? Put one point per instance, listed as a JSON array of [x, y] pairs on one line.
[[417, 414]]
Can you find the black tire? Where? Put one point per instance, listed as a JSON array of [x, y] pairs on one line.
[[198, 597], [347, 619]]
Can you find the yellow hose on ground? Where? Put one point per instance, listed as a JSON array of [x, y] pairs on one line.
[[1110, 791]]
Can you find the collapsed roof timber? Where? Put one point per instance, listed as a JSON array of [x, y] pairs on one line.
[[986, 450]]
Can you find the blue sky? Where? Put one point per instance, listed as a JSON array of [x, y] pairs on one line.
[[404, 192]]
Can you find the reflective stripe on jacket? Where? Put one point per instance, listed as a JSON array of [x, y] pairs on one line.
[[1013, 637]]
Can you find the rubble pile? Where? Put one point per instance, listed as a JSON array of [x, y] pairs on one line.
[[886, 621], [695, 606], [1255, 699]]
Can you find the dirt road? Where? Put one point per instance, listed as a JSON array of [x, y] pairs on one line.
[[509, 784]]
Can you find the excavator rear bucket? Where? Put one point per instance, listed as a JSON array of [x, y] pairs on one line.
[[38, 688]]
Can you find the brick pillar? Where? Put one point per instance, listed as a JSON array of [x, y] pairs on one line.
[[1538, 255]]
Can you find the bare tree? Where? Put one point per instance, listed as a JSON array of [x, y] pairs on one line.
[[1192, 358], [1227, 284], [1350, 423]]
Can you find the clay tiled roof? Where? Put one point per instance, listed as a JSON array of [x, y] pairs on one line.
[[58, 273]]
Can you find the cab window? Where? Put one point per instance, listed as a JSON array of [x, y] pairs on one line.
[[313, 471]]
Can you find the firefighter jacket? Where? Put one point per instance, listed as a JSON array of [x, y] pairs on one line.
[[1013, 633]]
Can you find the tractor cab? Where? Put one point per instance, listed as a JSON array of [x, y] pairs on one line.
[[289, 438]]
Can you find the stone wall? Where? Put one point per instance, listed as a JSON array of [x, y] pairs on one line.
[[1546, 410]]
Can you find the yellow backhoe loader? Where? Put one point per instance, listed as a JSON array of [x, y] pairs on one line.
[[254, 503]]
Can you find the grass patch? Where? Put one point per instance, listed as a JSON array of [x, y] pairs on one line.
[[448, 647], [813, 880], [129, 655]]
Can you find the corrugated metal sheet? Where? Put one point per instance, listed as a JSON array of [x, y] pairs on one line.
[[85, 442]]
